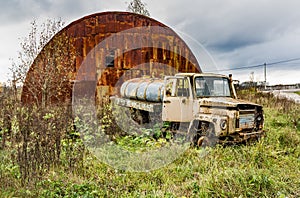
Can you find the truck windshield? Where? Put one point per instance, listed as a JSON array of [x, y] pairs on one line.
[[212, 87]]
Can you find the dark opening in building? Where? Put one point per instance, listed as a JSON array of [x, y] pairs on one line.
[[110, 59]]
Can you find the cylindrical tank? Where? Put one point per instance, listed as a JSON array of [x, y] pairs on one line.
[[145, 89]]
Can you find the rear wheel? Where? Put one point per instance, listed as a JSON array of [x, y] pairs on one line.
[[140, 116]]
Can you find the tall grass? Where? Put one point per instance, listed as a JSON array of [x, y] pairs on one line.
[[268, 168]]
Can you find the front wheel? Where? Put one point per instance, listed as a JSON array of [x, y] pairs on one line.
[[202, 134]]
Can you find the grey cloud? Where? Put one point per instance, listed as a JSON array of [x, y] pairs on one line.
[[231, 25], [15, 11]]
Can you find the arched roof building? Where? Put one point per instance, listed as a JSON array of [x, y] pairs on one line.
[[103, 50]]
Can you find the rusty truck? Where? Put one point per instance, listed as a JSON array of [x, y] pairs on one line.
[[203, 106]]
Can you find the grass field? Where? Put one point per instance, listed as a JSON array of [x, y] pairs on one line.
[[268, 168]]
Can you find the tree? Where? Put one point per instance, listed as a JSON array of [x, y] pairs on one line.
[[137, 6], [44, 68]]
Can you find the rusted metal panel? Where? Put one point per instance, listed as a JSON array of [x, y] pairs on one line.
[[86, 33]]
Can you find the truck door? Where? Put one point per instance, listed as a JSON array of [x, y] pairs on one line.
[[178, 100]]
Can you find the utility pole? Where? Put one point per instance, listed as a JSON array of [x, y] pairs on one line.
[[265, 68]]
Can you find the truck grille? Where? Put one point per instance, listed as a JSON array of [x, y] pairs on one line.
[[246, 121]]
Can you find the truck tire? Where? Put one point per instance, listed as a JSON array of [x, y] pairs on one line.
[[202, 134], [140, 116], [202, 141]]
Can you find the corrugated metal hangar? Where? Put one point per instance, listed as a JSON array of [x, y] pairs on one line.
[[103, 50]]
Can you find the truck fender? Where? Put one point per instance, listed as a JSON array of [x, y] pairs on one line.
[[213, 121]]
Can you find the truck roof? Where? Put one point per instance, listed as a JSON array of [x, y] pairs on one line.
[[202, 74]]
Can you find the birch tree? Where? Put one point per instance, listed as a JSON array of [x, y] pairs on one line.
[[50, 63]]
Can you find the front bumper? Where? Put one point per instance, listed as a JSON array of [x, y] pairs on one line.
[[246, 135], [243, 137]]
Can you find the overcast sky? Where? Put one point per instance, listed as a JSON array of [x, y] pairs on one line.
[[235, 33]]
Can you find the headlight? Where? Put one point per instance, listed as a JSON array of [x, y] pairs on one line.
[[223, 124], [259, 121], [259, 118]]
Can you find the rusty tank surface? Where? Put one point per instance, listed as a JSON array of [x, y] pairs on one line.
[[103, 50]]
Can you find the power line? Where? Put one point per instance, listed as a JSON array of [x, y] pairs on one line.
[[238, 68], [284, 61], [254, 66]]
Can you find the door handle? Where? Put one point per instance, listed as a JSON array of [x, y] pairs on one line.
[[167, 101]]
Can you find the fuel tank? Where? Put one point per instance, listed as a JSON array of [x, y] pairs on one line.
[[144, 89]]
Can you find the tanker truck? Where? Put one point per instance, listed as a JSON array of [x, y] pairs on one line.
[[203, 106]]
